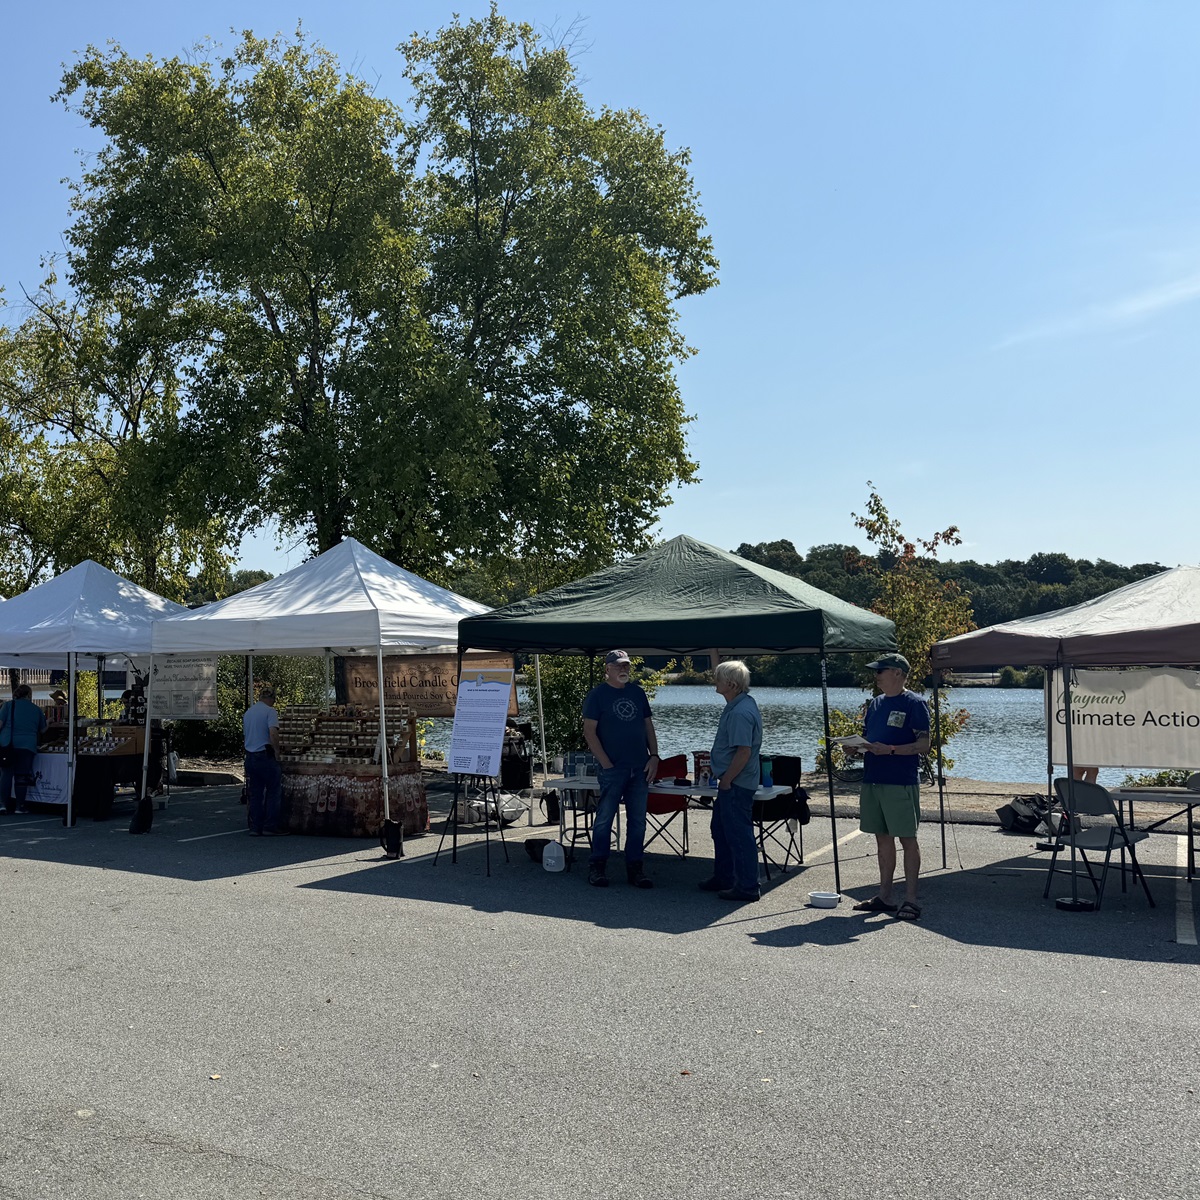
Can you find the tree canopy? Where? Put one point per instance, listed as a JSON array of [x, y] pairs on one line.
[[451, 333]]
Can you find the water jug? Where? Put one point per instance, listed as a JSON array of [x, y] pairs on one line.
[[553, 858]]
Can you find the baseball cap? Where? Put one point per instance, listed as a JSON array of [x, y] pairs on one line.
[[884, 661], [616, 656]]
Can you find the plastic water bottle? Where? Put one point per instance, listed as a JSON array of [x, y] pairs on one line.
[[553, 858], [767, 764]]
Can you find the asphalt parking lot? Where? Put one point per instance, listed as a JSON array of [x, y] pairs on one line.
[[195, 1012]]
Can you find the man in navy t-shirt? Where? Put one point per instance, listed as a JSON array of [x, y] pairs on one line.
[[619, 731], [896, 726]]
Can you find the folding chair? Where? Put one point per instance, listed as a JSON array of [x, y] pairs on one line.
[[1091, 800], [663, 809], [579, 806], [774, 819]]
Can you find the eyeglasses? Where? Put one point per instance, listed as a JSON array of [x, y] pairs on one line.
[[882, 670]]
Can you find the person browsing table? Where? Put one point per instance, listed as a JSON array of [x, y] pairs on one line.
[[21, 725], [619, 731], [735, 765], [264, 775], [896, 728]]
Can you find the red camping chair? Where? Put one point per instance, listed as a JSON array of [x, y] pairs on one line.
[[663, 809]]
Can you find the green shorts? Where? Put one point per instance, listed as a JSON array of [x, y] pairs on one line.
[[890, 808]]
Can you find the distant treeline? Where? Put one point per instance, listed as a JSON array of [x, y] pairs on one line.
[[999, 591]]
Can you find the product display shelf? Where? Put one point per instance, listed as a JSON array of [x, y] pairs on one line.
[[332, 781]]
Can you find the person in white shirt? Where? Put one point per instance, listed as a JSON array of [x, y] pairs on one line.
[[264, 775]]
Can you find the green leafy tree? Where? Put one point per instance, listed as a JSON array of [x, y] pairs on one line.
[[91, 465], [924, 607], [452, 337]]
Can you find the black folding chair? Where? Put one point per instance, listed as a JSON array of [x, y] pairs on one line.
[[780, 822], [1091, 800]]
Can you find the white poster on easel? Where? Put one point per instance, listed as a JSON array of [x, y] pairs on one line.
[[477, 738]]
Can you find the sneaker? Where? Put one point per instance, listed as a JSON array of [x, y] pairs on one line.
[[739, 897], [276, 832], [711, 885], [597, 874], [637, 877]]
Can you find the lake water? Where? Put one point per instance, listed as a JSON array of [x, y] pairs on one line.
[[1004, 741]]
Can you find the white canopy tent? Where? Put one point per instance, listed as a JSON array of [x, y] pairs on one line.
[[88, 613], [347, 600]]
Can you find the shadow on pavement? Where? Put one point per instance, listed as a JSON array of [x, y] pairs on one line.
[[200, 835]]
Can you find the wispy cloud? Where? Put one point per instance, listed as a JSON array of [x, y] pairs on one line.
[[1129, 310]]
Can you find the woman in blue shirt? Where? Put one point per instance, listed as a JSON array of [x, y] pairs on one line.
[[21, 725]]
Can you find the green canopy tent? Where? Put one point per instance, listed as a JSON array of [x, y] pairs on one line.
[[685, 597]]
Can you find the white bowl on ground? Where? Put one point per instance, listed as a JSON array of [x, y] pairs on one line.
[[824, 899]]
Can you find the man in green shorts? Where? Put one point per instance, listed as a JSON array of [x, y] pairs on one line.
[[896, 727]]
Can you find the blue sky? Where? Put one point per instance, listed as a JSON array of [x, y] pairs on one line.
[[959, 244]]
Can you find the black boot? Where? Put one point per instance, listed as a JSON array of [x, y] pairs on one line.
[[637, 876], [596, 874]]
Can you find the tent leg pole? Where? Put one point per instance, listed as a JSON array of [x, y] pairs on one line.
[[383, 748], [70, 819], [144, 793], [249, 680], [1074, 904], [1052, 840], [837, 867], [537, 672], [941, 782], [100, 661]]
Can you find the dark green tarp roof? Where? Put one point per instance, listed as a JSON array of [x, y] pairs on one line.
[[684, 597]]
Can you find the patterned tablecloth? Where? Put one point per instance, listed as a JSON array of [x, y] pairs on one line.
[[347, 801]]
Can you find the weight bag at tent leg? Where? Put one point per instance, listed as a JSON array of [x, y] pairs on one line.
[[143, 819]]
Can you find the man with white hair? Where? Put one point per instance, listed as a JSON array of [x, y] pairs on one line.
[[619, 731], [735, 764]]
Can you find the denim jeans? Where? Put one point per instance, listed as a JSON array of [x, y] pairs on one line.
[[264, 786], [616, 784], [734, 849], [18, 771]]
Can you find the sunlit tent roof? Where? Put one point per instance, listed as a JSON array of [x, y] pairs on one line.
[[684, 597], [1152, 622], [88, 610], [348, 598]]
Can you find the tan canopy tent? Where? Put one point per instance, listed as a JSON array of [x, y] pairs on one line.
[[1154, 622], [1148, 623]]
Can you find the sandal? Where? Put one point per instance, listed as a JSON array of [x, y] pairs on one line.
[[875, 904], [908, 911]]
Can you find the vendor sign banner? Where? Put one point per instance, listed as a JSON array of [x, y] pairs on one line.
[[183, 687], [427, 683], [1129, 718]]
